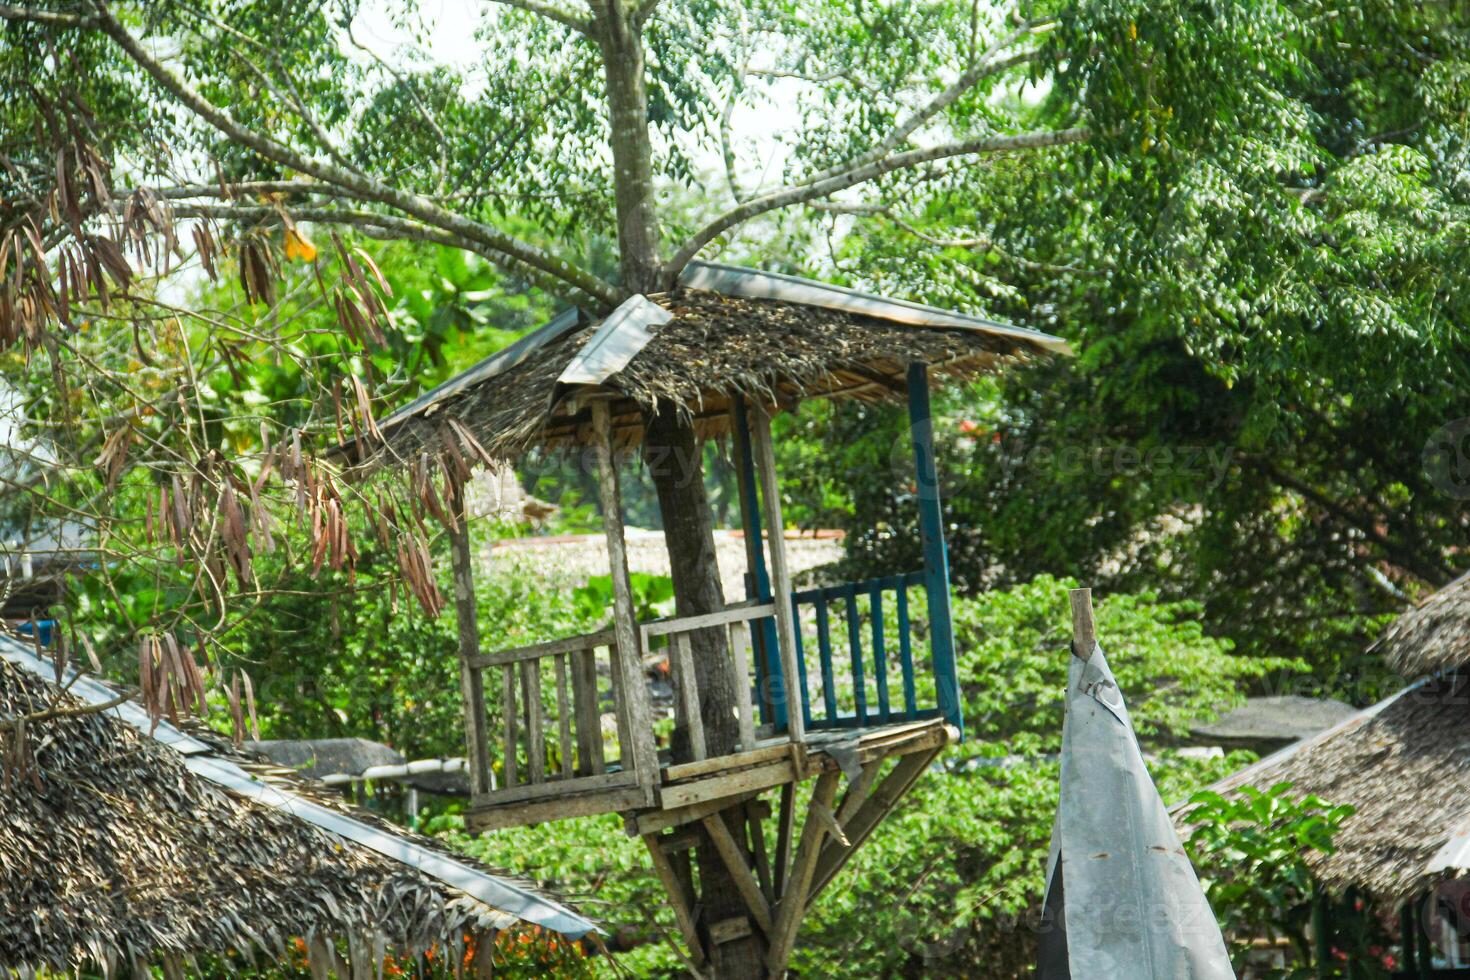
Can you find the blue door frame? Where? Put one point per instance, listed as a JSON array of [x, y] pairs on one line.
[[935, 578]]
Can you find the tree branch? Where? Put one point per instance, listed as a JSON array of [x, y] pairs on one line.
[[49, 17], [551, 11], [802, 193], [367, 187], [394, 227], [992, 64]]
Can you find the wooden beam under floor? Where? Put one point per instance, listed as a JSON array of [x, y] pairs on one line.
[[793, 902], [679, 900]]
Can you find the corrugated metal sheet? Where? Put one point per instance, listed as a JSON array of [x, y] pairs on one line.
[[616, 341], [734, 280]]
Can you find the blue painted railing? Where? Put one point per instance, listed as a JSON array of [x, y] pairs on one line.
[[858, 689]]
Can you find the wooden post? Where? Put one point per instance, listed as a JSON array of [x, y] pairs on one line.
[[758, 581], [1084, 631], [472, 686], [687, 689], [936, 557], [765, 458], [793, 902], [625, 625]]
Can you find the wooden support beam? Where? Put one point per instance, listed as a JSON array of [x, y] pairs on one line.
[[471, 683], [785, 826], [735, 863], [629, 664], [755, 812], [1084, 630], [758, 580], [679, 899], [765, 458], [892, 789], [794, 900]]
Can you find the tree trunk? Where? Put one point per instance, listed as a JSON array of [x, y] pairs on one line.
[[672, 454], [632, 151]]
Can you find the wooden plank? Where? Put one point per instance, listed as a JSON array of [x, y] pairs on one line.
[[855, 647], [653, 821], [733, 784], [643, 758], [508, 718], [548, 789], [738, 612], [531, 698], [620, 714], [785, 825], [559, 808], [471, 683], [563, 716], [589, 716], [679, 899], [883, 799], [740, 651], [765, 455], [687, 689], [824, 659], [880, 659], [735, 863], [536, 651], [794, 899], [739, 760], [906, 652]]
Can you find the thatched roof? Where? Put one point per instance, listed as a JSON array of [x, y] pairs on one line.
[[1404, 765], [118, 848], [1433, 636], [724, 331]]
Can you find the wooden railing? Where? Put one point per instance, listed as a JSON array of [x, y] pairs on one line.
[[859, 697], [552, 695], [554, 746], [736, 621]]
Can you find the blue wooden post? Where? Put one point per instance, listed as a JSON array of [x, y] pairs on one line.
[[936, 556], [757, 579]]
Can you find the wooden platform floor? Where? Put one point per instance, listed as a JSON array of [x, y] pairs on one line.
[[690, 791]]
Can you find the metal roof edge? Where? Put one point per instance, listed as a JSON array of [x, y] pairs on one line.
[[735, 280]]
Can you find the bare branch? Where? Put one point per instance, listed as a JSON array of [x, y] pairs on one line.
[[981, 243], [393, 227], [993, 64], [49, 17], [368, 187], [803, 193], [551, 11]]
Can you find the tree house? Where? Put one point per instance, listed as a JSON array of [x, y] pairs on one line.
[[852, 687]]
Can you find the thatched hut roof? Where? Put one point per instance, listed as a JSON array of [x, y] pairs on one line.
[[724, 331], [118, 847], [1404, 765], [1433, 636]]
